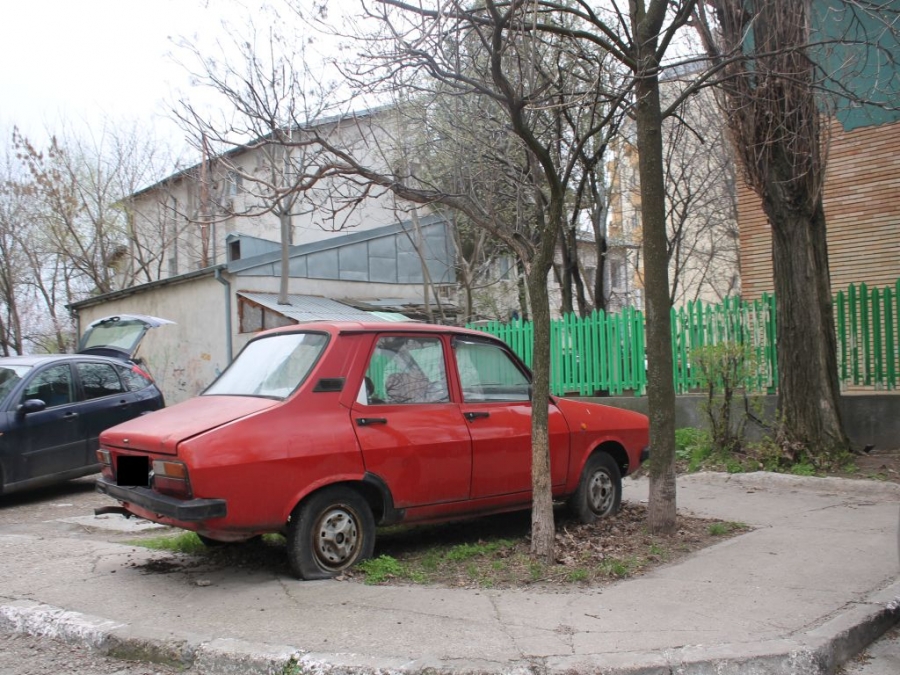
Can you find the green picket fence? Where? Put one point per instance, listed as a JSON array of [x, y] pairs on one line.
[[605, 353], [868, 327]]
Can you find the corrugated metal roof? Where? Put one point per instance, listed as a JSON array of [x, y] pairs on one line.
[[306, 308], [391, 316]]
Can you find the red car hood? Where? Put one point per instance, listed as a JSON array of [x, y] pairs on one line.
[[162, 430]]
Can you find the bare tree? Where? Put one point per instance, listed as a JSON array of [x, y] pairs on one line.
[[14, 220], [701, 196], [651, 38], [638, 38], [259, 152], [70, 231], [769, 99], [483, 52], [79, 184]]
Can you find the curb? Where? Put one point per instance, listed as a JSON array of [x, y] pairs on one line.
[[818, 651]]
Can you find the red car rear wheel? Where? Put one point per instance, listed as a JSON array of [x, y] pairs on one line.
[[330, 532]]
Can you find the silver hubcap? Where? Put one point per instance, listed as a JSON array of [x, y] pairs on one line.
[[337, 538], [600, 493]]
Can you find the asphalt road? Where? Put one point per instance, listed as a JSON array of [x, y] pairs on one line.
[[42, 507], [881, 658], [45, 510]]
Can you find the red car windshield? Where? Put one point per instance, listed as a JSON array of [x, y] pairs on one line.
[[271, 367]]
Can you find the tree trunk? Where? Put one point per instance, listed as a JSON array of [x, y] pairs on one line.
[[284, 217], [522, 287], [564, 273], [543, 528], [599, 280], [809, 389], [775, 120], [660, 387]]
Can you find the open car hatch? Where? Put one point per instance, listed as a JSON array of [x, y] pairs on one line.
[[118, 336]]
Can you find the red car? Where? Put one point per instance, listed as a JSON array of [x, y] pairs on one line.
[[325, 430]]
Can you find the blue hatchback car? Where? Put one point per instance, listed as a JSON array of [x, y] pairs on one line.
[[53, 407]]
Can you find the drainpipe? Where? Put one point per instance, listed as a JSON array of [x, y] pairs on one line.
[[227, 286]]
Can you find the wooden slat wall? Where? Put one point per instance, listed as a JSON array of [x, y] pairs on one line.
[[862, 208]]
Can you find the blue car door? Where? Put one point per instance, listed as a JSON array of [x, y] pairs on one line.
[[51, 440], [107, 402]]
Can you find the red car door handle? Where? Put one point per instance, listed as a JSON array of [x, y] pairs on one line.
[[368, 421], [471, 416]]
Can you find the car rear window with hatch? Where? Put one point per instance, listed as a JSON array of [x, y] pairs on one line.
[[271, 367]]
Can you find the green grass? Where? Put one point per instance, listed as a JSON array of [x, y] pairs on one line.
[[618, 568], [462, 552], [470, 560], [577, 575], [723, 529], [380, 569], [185, 542], [658, 551], [803, 469]]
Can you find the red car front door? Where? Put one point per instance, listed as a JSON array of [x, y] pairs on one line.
[[412, 435]]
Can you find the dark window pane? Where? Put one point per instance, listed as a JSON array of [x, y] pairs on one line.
[[134, 380], [53, 386], [99, 379]]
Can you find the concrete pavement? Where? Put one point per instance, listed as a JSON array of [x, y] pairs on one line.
[[811, 586]]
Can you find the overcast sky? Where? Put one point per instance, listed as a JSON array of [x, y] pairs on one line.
[[83, 60]]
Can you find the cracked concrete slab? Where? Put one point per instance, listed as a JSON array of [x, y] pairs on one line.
[[814, 582]]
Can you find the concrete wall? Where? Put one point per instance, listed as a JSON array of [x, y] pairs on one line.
[[186, 357], [868, 419]]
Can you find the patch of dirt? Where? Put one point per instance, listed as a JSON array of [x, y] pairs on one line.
[[493, 552], [160, 566], [877, 464], [487, 552]]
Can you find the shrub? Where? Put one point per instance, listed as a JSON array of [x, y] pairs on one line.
[[724, 369]]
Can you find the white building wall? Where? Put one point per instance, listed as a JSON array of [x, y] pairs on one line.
[[183, 358], [236, 204]]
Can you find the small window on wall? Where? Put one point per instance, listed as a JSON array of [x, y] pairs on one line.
[[235, 184], [255, 318], [234, 250]]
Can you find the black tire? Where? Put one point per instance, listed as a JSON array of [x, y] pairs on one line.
[[329, 532], [599, 492]]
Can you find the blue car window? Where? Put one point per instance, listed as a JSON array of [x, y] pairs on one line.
[[52, 385], [99, 379], [134, 380], [10, 376]]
